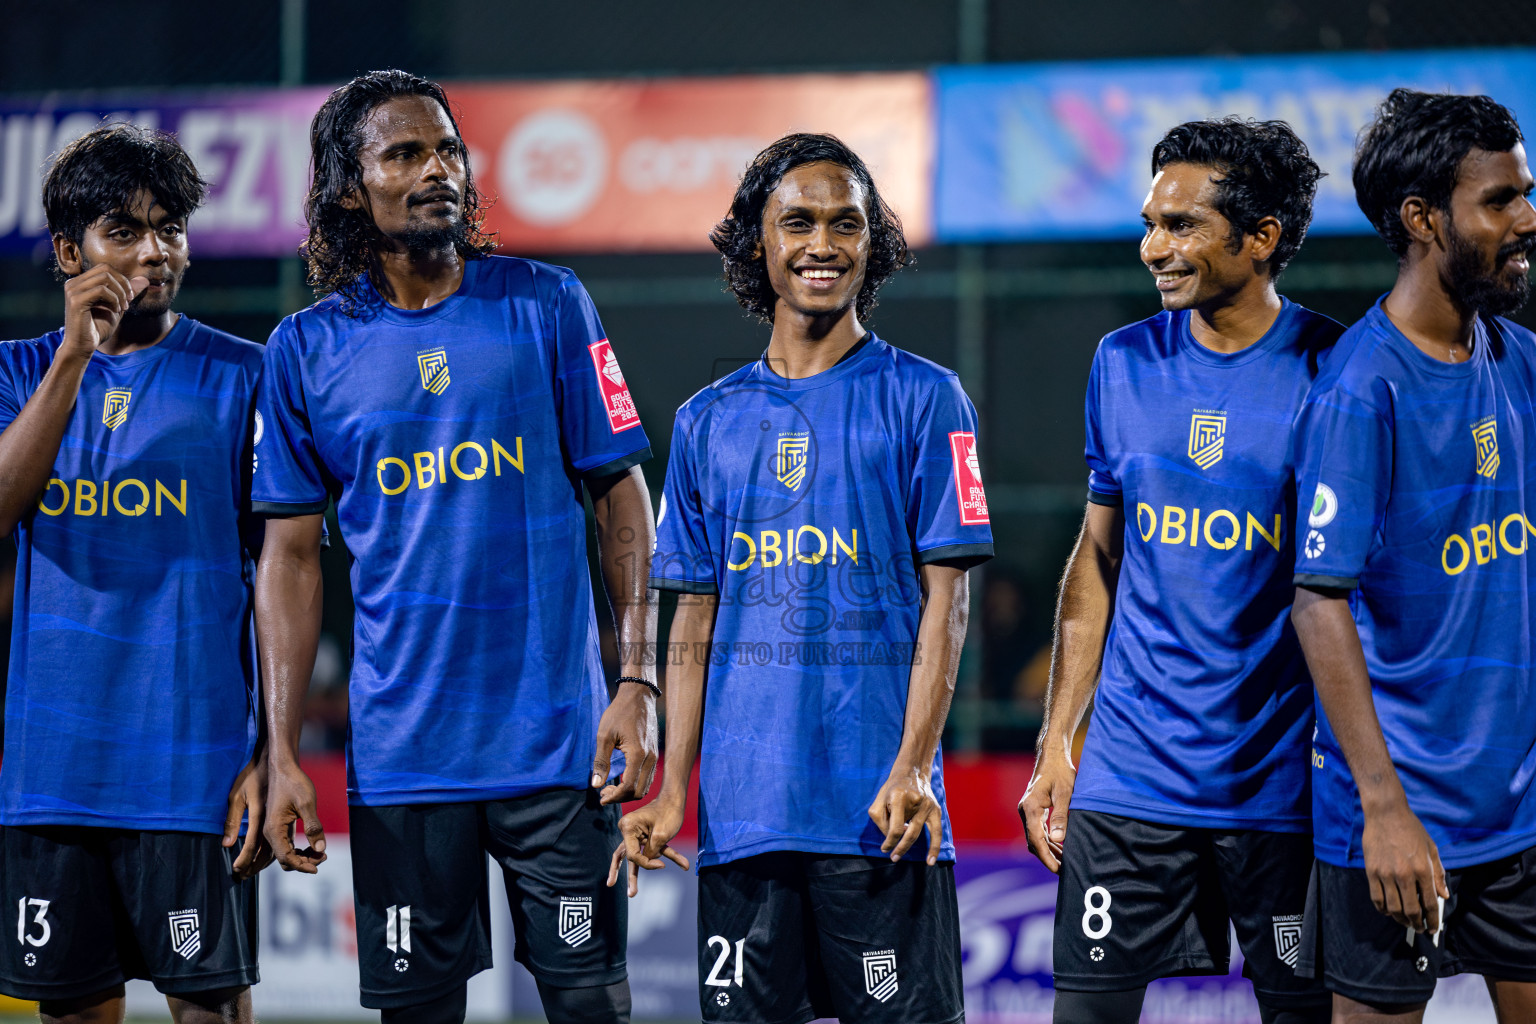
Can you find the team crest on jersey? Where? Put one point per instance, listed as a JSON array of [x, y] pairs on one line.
[[791, 459], [186, 936], [434, 370], [575, 920], [880, 973], [114, 411], [1207, 436], [1485, 433], [1288, 938]]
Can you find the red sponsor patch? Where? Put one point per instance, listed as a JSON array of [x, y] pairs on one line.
[[973, 498], [610, 380]]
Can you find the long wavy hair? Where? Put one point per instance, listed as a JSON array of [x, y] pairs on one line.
[[342, 242], [739, 237]]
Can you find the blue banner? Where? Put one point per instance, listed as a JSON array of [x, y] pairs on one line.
[[1059, 151]]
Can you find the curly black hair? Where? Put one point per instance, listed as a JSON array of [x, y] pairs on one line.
[[1414, 147], [104, 171], [739, 236], [1265, 171], [341, 243]]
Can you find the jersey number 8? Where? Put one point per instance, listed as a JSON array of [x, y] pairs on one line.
[[1096, 922]]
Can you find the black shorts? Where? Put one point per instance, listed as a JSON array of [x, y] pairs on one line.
[[423, 902], [1489, 928], [1140, 901], [93, 907], [785, 938]]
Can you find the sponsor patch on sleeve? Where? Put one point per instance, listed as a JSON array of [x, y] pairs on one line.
[[973, 498], [610, 380]]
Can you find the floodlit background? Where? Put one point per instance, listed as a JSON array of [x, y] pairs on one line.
[[1013, 139]]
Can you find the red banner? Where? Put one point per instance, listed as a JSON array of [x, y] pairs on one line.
[[652, 165]]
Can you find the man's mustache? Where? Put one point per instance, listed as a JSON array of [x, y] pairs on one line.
[[441, 193]]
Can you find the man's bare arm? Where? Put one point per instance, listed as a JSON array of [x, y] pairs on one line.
[[1401, 861], [94, 302], [906, 802], [288, 607], [647, 831], [626, 533], [1084, 608]]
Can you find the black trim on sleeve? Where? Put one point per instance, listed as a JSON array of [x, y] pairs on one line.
[[1100, 498], [283, 508], [618, 465], [967, 555], [1311, 582], [684, 586]]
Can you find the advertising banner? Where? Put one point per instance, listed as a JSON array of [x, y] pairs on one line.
[[605, 166], [570, 166], [1058, 151], [253, 147]]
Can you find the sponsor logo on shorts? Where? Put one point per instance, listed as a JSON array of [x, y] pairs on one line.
[[1207, 436], [880, 973], [186, 936], [433, 367], [575, 919], [1287, 938], [1421, 964], [1325, 505]]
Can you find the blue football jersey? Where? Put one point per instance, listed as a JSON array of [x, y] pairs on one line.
[[1419, 480], [808, 506], [131, 695], [455, 440], [1204, 703]]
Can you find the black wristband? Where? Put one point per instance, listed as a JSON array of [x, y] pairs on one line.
[[643, 682]]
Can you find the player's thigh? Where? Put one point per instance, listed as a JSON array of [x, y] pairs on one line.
[[1136, 901], [1361, 953], [759, 960], [421, 899], [195, 924], [63, 910], [554, 848], [1492, 930], [889, 937], [1265, 877]]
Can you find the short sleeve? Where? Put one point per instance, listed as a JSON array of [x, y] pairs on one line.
[[1343, 479], [946, 511], [1103, 488], [288, 479], [683, 560], [599, 424]]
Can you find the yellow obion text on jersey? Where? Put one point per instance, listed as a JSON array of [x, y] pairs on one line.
[[1219, 528], [467, 460], [807, 544], [1482, 543], [128, 497]]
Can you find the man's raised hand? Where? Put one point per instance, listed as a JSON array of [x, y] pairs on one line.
[[94, 302]]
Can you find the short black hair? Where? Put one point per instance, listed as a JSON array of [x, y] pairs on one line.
[[1414, 147], [104, 171], [339, 249], [1265, 170], [739, 235]]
